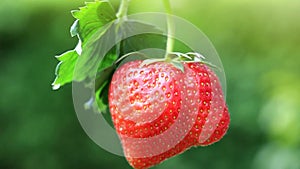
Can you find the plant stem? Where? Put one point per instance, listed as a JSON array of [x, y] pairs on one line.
[[170, 24], [123, 8]]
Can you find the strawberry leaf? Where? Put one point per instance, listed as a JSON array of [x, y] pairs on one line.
[[103, 39], [97, 53], [74, 28], [102, 98], [91, 18], [141, 36], [91, 21], [64, 69]]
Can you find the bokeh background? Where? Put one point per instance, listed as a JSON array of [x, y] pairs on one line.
[[257, 40]]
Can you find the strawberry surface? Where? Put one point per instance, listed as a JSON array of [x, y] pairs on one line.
[[159, 111]]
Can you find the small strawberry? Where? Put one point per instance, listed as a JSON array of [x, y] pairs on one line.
[[159, 111]]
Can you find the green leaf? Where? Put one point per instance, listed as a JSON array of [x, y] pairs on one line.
[[108, 60], [97, 53], [101, 94], [99, 102], [65, 68], [74, 28], [102, 41], [102, 98], [91, 18], [139, 36], [104, 76], [91, 23]]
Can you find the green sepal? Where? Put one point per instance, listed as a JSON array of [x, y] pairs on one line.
[[178, 65]]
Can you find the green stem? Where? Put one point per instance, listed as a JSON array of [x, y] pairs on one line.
[[170, 24], [123, 8]]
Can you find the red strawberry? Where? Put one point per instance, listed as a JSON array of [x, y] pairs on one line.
[[159, 111]]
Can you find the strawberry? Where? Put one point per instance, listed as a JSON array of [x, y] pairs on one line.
[[159, 111]]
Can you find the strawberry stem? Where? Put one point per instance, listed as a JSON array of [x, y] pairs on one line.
[[170, 24], [122, 12]]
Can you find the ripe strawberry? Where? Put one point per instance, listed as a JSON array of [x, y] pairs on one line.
[[159, 111]]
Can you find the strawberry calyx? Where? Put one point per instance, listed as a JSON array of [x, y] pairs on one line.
[[177, 59]]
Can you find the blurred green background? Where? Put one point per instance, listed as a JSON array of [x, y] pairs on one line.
[[258, 42]]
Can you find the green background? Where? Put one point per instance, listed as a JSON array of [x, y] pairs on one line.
[[258, 42]]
